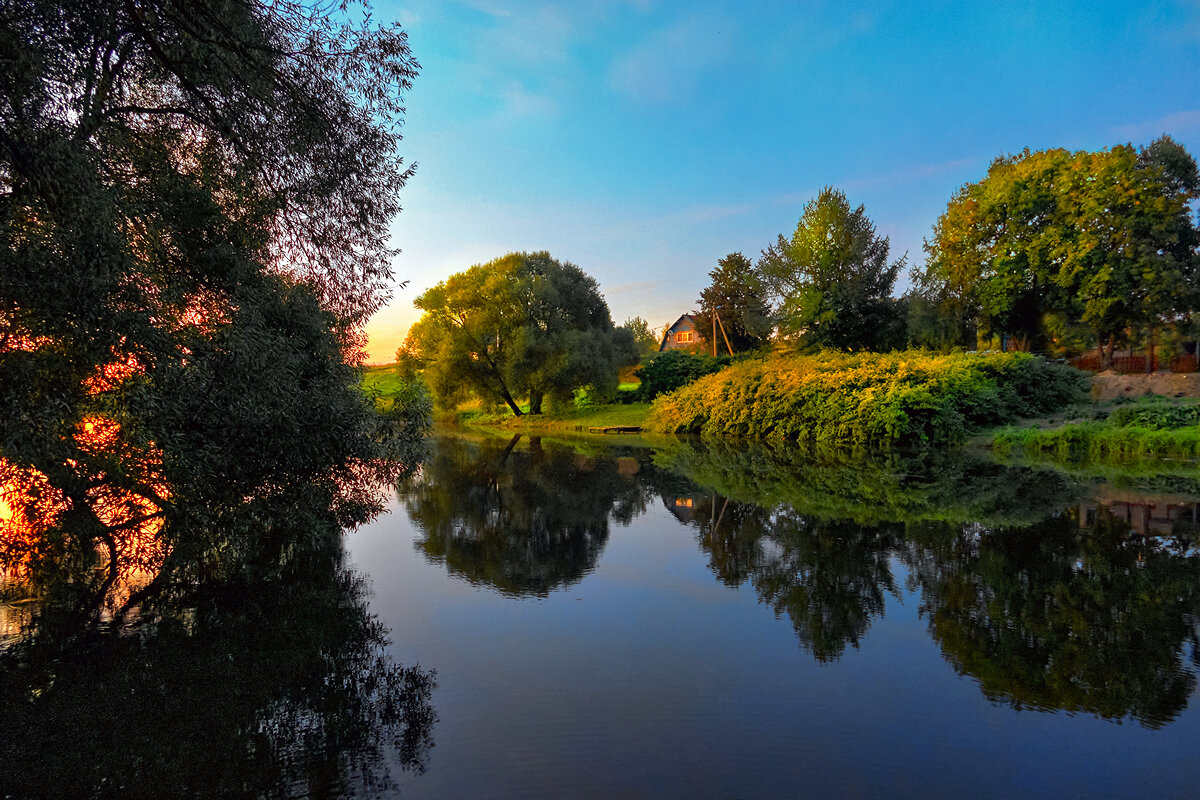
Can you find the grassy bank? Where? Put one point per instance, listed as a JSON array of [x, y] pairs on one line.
[[578, 419], [1150, 428], [868, 400]]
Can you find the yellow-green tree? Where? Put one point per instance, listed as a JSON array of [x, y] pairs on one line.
[[832, 281], [1105, 240], [524, 325]]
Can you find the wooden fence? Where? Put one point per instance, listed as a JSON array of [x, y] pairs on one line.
[[1129, 365]]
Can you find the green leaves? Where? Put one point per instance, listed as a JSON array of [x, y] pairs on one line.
[[738, 297], [863, 400], [831, 281], [1104, 239], [521, 325]]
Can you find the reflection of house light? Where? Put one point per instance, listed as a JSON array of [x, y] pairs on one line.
[[685, 502]]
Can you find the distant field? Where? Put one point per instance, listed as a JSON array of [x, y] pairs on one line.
[[382, 378]]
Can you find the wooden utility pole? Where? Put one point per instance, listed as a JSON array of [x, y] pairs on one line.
[[714, 338], [717, 317]]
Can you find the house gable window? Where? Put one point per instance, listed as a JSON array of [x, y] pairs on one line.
[[685, 337]]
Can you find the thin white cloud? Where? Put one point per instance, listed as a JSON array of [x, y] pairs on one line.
[[669, 67], [869, 182], [520, 102], [1177, 123], [491, 9]]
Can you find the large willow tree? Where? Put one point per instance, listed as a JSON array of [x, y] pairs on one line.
[[194, 200], [523, 325]]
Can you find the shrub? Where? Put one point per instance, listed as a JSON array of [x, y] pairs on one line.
[[668, 371], [1157, 413], [1151, 427], [866, 399]]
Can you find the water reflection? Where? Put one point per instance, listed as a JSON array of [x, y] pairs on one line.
[[524, 520], [1071, 613], [1050, 591], [240, 661]]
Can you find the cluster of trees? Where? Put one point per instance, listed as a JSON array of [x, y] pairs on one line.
[[1057, 246], [827, 286], [194, 210], [1051, 250], [1054, 250]]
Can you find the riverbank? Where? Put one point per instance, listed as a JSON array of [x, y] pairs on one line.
[[574, 420], [1009, 403], [1150, 427], [869, 400]]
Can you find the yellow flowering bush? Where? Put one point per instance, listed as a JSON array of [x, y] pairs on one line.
[[867, 399]]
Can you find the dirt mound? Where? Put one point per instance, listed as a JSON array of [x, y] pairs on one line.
[[1111, 385]]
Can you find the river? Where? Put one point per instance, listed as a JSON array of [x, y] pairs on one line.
[[696, 620], [630, 618]]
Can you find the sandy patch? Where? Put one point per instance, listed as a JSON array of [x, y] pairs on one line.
[[1111, 385]]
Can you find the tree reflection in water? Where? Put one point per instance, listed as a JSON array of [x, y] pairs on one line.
[[1062, 616], [522, 519], [246, 664], [1047, 604]]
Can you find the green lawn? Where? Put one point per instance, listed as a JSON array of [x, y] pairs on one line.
[[382, 378], [575, 419]]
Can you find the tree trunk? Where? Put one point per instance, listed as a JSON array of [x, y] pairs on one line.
[[1150, 354], [535, 402], [516, 409], [1106, 355]]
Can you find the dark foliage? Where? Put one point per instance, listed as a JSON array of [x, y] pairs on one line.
[[671, 369]]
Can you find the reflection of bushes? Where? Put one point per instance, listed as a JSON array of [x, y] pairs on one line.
[[883, 487], [1042, 612], [839, 399]]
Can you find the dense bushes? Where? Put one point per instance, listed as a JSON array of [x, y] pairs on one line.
[[867, 400], [1156, 413], [668, 371], [1152, 427]]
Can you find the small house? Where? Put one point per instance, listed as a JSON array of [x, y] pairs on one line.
[[682, 335]]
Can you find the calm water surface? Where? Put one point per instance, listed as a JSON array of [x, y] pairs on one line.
[[712, 621]]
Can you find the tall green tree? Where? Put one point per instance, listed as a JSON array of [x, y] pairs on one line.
[[832, 281], [645, 341], [1105, 240], [737, 298], [523, 325]]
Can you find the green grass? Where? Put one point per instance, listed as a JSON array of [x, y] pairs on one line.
[[574, 419], [1101, 440], [382, 379]]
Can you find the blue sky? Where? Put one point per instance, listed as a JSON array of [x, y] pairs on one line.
[[645, 140]]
